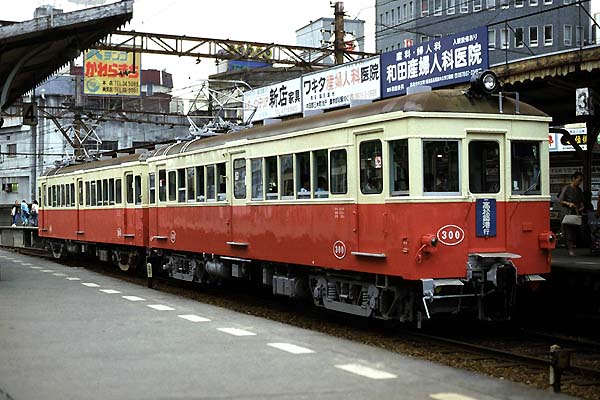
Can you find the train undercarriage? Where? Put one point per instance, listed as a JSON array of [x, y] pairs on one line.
[[488, 291]]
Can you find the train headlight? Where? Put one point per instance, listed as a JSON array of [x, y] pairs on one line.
[[547, 240], [485, 83], [429, 243]]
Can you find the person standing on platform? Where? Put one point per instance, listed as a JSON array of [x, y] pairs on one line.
[[571, 199], [34, 213], [15, 213], [24, 213]]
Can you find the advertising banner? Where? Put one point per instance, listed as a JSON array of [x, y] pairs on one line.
[[337, 86], [439, 62], [557, 143], [109, 72], [274, 101]]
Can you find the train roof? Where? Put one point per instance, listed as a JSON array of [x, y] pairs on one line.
[[438, 101]]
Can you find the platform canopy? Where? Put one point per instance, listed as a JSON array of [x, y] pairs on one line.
[[31, 51]]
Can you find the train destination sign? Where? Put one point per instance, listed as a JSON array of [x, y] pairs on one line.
[[337, 86], [273, 101], [439, 62], [108, 72]]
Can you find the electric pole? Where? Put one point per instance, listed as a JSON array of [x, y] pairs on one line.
[[338, 44]]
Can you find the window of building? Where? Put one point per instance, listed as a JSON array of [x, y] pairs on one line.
[[200, 184], [567, 35], [533, 3], [239, 178], [547, 2], [11, 150], [464, 6], [504, 38], [137, 189], [424, 39], [257, 179], [548, 35], [437, 7], [399, 167], [519, 3], [371, 167], [339, 172], [492, 39], [152, 188], [484, 167], [118, 191], [504, 4], [440, 167], [162, 185], [477, 5], [303, 175], [191, 179], [380, 21], [393, 16], [533, 36], [287, 176], [221, 182], [404, 13], [271, 178], [211, 194], [519, 37], [424, 7], [450, 6], [411, 10], [567, 1], [579, 34], [387, 18], [320, 173], [491, 4], [181, 180], [525, 167]]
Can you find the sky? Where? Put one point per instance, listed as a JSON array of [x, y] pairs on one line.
[[270, 21]]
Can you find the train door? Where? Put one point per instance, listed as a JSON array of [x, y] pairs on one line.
[[485, 156], [44, 202], [371, 209], [237, 209], [128, 206], [80, 209]]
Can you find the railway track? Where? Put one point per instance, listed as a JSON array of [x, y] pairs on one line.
[[520, 355]]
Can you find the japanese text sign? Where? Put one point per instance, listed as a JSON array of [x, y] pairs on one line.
[[108, 72], [439, 62], [337, 86], [486, 217], [273, 101]]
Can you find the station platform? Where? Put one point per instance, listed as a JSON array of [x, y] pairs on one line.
[[69, 333], [582, 261]]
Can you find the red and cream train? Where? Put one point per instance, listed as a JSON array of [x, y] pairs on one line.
[[429, 203]]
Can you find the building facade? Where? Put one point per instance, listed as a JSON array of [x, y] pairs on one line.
[[517, 29]]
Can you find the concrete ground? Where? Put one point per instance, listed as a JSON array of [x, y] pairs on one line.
[[68, 333]]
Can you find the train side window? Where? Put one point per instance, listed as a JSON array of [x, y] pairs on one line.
[[239, 178], [152, 188], [129, 188], [99, 192], [87, 194], [172, 184], [48, 198], [162, 185], [339, 172], [105, 192], [137, 189], [440, 167], [221, 182], [93, 196], [66, 198], [210, 183], [63, 196], [525, 167], [72, 186], [399, 167], [484, 167], [111, 191], [54, 202], [200, 184], [80, 192], [321, 172], [181, 178], [191, 190], [371, 167], [257, 179], [271, 177], [287, 176], [118, 191], [303, 175]]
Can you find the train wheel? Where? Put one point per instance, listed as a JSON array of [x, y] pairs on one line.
[[125, 260], [57, 249]]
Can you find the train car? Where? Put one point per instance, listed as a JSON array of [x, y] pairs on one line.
[[435, 202]]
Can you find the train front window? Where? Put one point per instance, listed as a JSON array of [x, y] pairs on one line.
[[525, 167], [181, 185], [172, 184], [371, 167], [138, 189], [440, 167], [257, 179], [303, 175], [239, 178], [111, 191], [399, 167], [210, 182], [200, 184], [221, 182], [191, 192], [339, 172], [129, 188], [287, 176], [152, 187], [118, 191], [162, 185], [87, 194], [484, 167], [271, 177], [321, 172]]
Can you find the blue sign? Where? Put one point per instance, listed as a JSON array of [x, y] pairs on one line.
[[236, 65], [439, 62], [486, 217]]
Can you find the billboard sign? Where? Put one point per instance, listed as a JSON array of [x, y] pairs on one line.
[[109, 72], [557, 143], [274, 101], [337, 86], [439, 62]]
